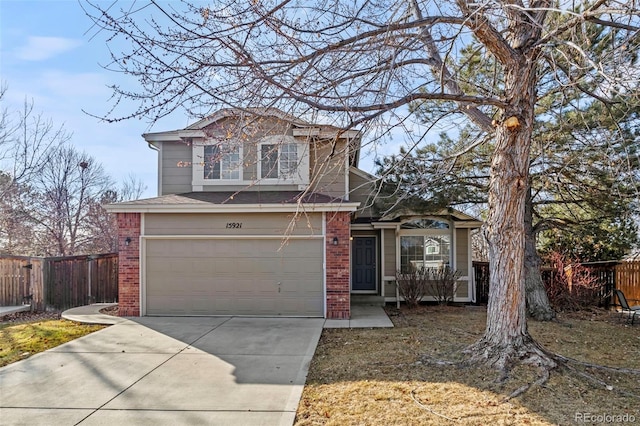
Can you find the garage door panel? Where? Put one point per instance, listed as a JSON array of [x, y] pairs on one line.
[[234, 277]]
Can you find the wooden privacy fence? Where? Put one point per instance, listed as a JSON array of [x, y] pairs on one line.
[[627, 277], [59, 282], [21, 276], [481, 280], [623, 275]]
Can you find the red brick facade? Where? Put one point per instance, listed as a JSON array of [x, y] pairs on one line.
[[129, 264], [338, 262]]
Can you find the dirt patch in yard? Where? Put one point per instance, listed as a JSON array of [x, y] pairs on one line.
[[393, 376]]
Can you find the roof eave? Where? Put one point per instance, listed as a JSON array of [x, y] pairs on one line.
[[232, 208], [173, 135]]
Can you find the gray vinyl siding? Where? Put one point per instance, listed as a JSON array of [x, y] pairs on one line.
[[216, 224], [328, 164], [389, 289], [462, 251], [175, 179], [361, 190], [389, 252], [389, 261], [250, 161], [462, 290]]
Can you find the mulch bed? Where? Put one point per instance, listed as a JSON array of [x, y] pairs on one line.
[[112, 310], [33, 316], [29, 316]]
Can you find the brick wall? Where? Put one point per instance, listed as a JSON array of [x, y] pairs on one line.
[[129, 264], [338, 259]]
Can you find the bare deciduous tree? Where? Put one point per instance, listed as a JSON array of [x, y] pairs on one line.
[[102, 226], [363, 62], [25, 140], [67, 185]]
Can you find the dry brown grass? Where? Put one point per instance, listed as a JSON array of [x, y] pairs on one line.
[[390, 376]]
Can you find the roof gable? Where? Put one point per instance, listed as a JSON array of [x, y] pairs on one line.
[[246, 112]]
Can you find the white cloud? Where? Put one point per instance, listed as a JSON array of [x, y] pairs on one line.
[[42, 48]]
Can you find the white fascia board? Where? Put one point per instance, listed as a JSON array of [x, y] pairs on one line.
[[468, 224], [306, 131], [173, 136], [385, 225], [325, 134], [361, 227], [330, 134], [232, 208], [363, 174]]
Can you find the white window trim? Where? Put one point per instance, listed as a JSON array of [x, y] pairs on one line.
[[302, 175], [425, 233], [198, 167]]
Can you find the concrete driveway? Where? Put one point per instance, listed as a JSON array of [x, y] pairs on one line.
[[177, 371]]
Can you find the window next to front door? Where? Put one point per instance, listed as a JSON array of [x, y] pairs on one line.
[[425, 243]]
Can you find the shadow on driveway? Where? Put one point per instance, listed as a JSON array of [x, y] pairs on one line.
[[167, 370]]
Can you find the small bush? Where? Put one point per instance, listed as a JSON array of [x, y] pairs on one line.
[[571, 286], [441, 284], [412, 285], [415, 283]]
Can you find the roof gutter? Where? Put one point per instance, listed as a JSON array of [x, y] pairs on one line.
[[232, 208]]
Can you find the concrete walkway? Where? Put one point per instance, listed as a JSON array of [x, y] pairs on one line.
[[90, 314], [170, 371], [6, 310], [362, 316]]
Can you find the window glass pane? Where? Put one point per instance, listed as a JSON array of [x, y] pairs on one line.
[[230, 164], [425, 224], [212, 162], [424, 251], [437, 251], [222, 162], [288, 159], [411, 252], [431, 246], [269, 161]]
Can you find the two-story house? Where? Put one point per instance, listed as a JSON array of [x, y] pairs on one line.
[[260, 213]]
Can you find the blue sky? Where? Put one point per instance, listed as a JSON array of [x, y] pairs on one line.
[[50, 53], [47, 54]]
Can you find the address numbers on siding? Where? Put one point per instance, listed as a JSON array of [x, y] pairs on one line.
[[234, 225]]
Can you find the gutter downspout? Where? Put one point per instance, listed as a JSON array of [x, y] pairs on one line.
[[159, 182]]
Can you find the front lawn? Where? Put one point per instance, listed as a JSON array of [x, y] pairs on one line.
[[19, 341], [395, 376]]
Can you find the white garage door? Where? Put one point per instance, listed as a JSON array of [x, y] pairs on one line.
[[234, 277]]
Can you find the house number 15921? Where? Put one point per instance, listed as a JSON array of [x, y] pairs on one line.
[[234, 225]]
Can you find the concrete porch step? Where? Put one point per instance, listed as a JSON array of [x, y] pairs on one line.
[[367, 299]]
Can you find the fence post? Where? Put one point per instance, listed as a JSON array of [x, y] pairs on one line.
[[89, 279]]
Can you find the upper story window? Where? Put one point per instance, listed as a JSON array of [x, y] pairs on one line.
[[283, 159], [278, 161], [222, 162], [271, 160]]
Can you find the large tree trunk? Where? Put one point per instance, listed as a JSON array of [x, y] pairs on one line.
[[506, 339], [538, 305]]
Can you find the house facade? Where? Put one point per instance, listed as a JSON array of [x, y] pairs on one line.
[[263, 214]]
